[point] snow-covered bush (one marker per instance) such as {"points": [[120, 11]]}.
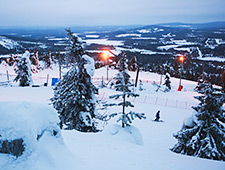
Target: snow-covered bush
{"points": [[129, 133], [74, 95], [23, 124], [24, 74], [204, 137]]}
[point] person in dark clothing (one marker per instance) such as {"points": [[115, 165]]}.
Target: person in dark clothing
{"points": [[157, 116]]}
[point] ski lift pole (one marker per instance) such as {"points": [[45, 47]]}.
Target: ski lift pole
{"points": [[60, 72], [137, 76], [107, 74], [160, 79], [7, 73], [181, 58]]}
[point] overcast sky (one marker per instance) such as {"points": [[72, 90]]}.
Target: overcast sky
{"points": [[108, 12]]}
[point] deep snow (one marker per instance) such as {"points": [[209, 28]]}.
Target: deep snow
{"points": [[114, 148]]}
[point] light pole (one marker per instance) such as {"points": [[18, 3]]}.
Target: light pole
{"points": [[181, 59], [7, 72], [106, 57]]}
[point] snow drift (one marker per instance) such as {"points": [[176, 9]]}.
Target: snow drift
{"points": [[35, 129]]}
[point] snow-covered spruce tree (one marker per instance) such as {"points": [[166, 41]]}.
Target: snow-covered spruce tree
{"points": [[205, 138], [75, 49], [223, 81], [74, 97], [23, 71], [133, 64], [34, 58], [167, 83], [48, 60], [123, 84]]}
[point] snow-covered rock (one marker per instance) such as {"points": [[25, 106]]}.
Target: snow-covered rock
{"points": [[27, 121], [36, 125]]}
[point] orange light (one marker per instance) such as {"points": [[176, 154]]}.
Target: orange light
{"points": [[181, 58], [105, 55], [7, 60]]}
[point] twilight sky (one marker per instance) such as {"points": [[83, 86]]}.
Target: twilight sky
{"points": [[108, 12]]}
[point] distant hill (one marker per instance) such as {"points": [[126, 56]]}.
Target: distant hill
{"points": [[196, 26]]}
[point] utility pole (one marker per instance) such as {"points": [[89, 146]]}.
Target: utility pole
{"points": [[136, 81], [181, 58]]}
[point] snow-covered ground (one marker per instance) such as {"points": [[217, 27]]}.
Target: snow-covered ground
{"points": [[212, 59], [114, 148], [104, 42], [128, 35], [8, 43]]}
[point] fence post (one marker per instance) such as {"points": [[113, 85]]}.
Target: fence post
{"points": [[156, 100], [166, 102], [103, 95], [145, 99]]}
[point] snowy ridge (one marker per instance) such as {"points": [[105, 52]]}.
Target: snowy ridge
{"points": [[8, 43], [104, 42], [128, 35]]}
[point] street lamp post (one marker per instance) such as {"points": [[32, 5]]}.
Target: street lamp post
{"points": [[181, 59], [106, 57]]}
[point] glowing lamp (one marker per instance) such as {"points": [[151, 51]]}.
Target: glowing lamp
{"points": [[7, 60], [181, 58], [105, 55]]}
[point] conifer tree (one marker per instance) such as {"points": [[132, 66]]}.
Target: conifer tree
{"points": [[75, 49], [123, 85], [34, 58], [167, 83], [23, 71], [74, 97], [48, 60], [206, 137], [223, 81], [133, 64]]}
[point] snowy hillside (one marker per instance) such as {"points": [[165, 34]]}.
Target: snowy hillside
{"points": [[114, 148], [8, 43]]}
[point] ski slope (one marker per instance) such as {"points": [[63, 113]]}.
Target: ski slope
{"points": [[114, 148]]}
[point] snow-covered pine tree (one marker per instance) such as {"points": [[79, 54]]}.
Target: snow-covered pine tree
{"points": [[223, 81], [23, 71], [206, 137], [167, 83], [133, 64], [74, 97], [34, 58], [75, 49], [48, 60], [123, 84]]}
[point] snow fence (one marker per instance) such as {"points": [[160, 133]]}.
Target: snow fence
{"points": [[146, 99]]}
